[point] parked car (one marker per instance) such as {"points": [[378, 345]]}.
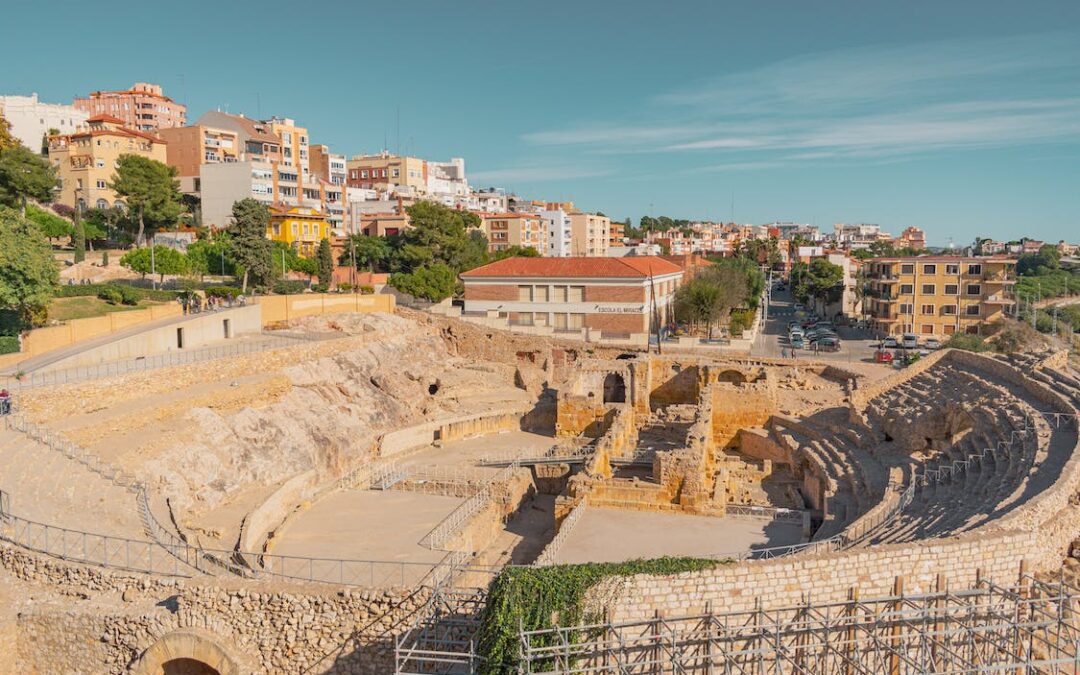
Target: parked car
{"points": [[932, 343], [890, 343], [883, 356], [797, 342], [826, 344], [909, 341]]}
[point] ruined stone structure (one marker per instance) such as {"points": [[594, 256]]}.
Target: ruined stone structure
{"points": [[226, 517]]}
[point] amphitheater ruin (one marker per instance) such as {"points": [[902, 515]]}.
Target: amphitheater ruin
{"points": [[341, 501]]}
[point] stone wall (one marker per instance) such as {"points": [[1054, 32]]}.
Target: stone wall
{"points": [[108, 620]]}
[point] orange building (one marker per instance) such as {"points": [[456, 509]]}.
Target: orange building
{"points": [[142, 107]]}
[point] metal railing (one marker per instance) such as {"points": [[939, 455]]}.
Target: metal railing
{"points": [[460, 517], [551, 551], [146, 363]]}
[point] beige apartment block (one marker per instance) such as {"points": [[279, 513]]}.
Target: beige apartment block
{"points": [[504, 230], [86, 160], [406, 176], [938, 295], [590, 234]]}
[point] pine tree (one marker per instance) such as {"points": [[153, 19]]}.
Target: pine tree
{"points": [[326, 263], [250, 249]]}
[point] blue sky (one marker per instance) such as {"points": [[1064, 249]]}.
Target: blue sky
{"points": [[959, 117]]}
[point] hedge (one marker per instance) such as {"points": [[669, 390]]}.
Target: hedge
{"points": [[223, 291], [83, 290], [9, 344], [290, 287]]}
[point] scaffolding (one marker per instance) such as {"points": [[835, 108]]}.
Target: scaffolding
{"points": [[1028, 628]]}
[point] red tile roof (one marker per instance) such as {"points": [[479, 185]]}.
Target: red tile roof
{"points": [[636, 267], [105, 118]]}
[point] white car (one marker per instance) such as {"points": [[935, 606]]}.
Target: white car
{"points": [[932, 343], [890, 343], [909, 341]]}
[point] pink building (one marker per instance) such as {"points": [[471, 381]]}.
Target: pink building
{"points": [[143, 107]]}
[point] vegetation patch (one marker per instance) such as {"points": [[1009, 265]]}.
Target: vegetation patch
{"points": [[532, 598]]}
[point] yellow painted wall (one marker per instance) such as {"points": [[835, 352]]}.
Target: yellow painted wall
{"points": [[279, 308]]}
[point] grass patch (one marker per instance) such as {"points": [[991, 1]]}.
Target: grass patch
{"points": [[85, 307], [527, 598]]}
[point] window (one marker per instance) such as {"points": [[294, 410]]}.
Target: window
{"points": [[948, 310], [973, 289], [952, 289], [524, 293], [100, 164], [929, 269], [395, 173], [974, 269], [949, 330], [363, 174], [926, 310], [928, 289], [560, 321], [576, 321], [540, 319], [907, 289], [540, 294], [295, 229], [971, 310], [907, 269], [101, 185], [277, 229], [952, 269], [559, 295], [577, 294], [927, 329]]}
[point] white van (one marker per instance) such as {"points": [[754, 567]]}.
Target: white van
{"points": [[909, 341]]}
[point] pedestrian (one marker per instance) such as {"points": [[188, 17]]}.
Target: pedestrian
{"points": [[5, 402]]}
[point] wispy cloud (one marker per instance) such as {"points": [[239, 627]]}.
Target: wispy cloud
{"points": [[534, 174], [891, 101]]}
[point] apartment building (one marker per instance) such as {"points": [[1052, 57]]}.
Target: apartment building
{"points": [[616, 234], [383, 224], [32, 121], [86, 160], [300, 227], [189, 148], [406, 176], [607, 298], [446, 182], [911, 237], [326, 165], [590, 234], [938, 295], [560, 233], [504, 230], [859, 235], [143, 107]]}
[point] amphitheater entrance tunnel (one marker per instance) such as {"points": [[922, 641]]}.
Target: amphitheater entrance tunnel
{"points": [[614, 388], [187, 667]]}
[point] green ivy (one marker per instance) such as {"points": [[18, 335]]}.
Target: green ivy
{"points": [[527, 598]]}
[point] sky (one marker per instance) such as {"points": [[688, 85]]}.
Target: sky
{"points": [[960, 117]]}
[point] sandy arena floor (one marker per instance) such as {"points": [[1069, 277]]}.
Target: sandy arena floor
{"points": [[615, 535]]}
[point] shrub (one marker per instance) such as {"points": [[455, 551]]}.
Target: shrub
{"points": [[222, 291], [130, 295], [367, 290], [111, 294], [320, 288], [967, 342], [289, 287], [9, 344], [741, 320], [345, 287], [79, 290], [104, 258]]}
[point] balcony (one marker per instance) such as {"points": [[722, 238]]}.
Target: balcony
{"points": [[998, 299], [998, 278]]}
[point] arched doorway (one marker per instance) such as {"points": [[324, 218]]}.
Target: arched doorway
{"points": [[732, 376], [187, 667], [614, 388], [187, 651]]}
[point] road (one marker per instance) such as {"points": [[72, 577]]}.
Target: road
{"points": [[855, 345]]}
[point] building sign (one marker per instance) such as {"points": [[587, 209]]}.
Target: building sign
{"points": [[640, 309]]}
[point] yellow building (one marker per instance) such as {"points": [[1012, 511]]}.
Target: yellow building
{"points": [[504, 230], [300, 227], [938, 295], [86, 160], [590, 234]]}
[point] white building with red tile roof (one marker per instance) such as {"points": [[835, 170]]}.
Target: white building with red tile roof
{"points": [[616, 299]]}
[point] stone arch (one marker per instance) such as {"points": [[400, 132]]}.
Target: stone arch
{"points": [[732, 376], [187, 651], [614, 388]]}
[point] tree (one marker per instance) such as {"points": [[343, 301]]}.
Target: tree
{"points": [[29, 276], [250, 247], [370, 253], [438, 234], [6, 139], [160, 260], [308, 266], [517, 252], [25, 175], [435, 282], [710, 296], [1046, 260], [50, 224], [325, 259], [199, 253], [823, 281], [150, 189]]}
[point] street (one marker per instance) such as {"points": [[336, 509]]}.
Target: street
{"points": [[855, 345]]}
